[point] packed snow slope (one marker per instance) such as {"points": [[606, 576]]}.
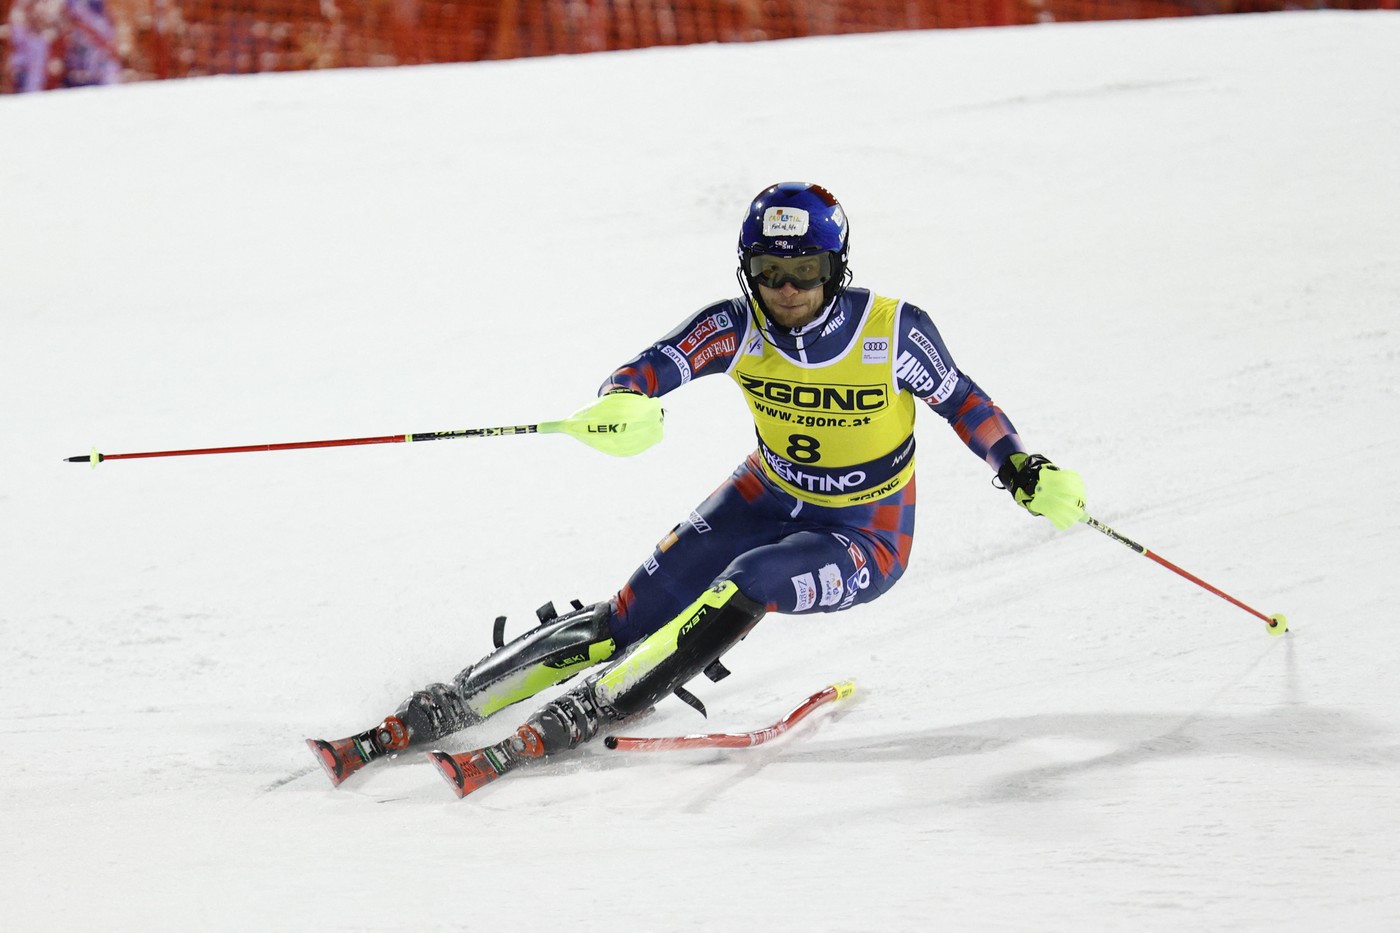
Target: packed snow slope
{"points": [[1170, 250]]}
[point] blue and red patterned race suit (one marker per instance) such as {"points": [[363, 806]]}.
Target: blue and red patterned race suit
{"points": [[821, 516]]}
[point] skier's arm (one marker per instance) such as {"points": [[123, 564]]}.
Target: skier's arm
{"points": [[703, 344], [926, 368]]}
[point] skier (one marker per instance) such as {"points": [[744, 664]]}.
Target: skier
{"points": [[819, 518]]}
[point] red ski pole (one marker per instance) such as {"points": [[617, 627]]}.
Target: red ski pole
{"points": [[95, 458], [1277, 623], [620, 425]]}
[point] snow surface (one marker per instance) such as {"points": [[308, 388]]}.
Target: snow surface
{"points": [[1171, 251]]}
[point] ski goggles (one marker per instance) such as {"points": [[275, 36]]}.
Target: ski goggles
{"points": [[803, 272]]}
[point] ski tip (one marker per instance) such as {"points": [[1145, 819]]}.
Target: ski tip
{"points": [[330, 761], [470, 771], [610, 741], [451, 772]]}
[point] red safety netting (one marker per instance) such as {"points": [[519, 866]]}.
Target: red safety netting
{"points": [[55, 43]]}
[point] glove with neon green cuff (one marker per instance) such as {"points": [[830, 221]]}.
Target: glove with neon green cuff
{"points": [[1043, 488], [621, 423]]}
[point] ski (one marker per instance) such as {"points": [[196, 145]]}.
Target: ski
{"points": [[466, 772], [469, 771], [837, 691], [343, 757]]}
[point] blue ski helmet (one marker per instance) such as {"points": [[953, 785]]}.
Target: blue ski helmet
{"points": [[790, 219]]}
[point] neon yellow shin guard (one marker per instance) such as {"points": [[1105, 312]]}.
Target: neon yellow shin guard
{"points": [[539, 659], [678, 651]]}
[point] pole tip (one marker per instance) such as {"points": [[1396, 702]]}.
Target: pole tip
{"points": [[94, 458], [1277, 624]]}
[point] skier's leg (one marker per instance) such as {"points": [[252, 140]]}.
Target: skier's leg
{"points": [[736, 517], [548, 654], [740, 515], [817, 569], [831, 558], [644, 673], [557, 649]]}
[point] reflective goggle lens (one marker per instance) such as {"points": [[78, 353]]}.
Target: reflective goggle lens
{"points": [[804, 272]]}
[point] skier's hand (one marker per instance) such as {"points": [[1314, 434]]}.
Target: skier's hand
{"points": [[1044, 489], [621, 423]]}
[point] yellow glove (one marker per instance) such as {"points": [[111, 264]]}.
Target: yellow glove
{"points": [[621, 423], [1044, 489]]}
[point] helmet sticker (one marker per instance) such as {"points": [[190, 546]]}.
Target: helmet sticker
{"points": [[785, 221]]}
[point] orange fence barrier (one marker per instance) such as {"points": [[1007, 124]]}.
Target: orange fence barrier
{"points": [[56, 43]]}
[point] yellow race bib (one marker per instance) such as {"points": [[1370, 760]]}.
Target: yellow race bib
{"points": [[834, 433]]}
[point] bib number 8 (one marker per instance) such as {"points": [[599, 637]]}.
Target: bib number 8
{"points": [[803, 448]]}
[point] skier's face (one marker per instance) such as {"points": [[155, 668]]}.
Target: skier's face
{"points": [[790, 306]]}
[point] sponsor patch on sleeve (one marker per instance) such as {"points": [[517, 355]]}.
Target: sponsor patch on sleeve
{"points": [[679, 359], [703, 331], [724, 346], [925, 344], [946, 387], [911, 372]]}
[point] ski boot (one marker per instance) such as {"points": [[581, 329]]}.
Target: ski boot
{"points": [[551, 653], [560, 725], [658, 665]]}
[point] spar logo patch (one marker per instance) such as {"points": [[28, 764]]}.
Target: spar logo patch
{"points": [[703, 331]]}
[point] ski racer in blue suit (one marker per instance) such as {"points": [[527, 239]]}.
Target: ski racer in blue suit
{"points": [[783, 519], [820, 517]]}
